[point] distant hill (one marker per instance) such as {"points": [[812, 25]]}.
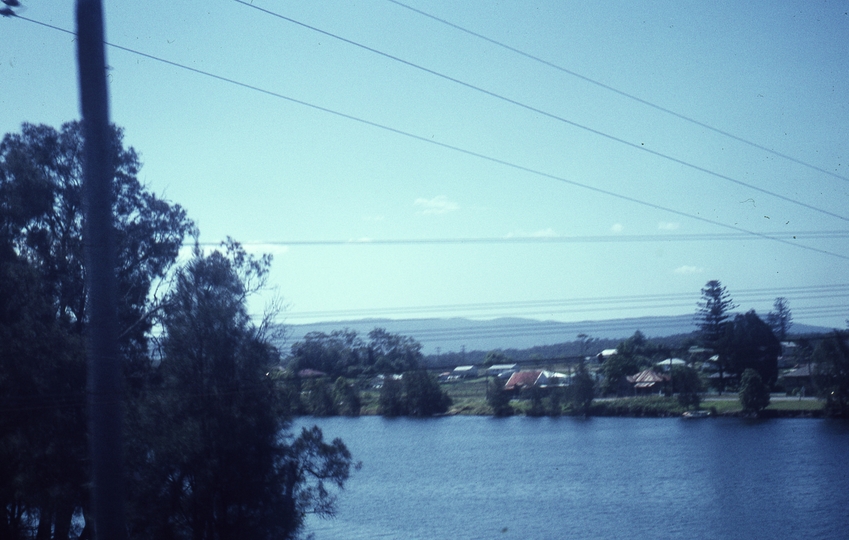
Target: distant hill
{"points": [[455, 334]]}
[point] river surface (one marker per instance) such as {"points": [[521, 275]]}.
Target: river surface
{"points": [[547, 478]]}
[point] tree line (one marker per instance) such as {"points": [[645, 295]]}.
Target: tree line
{"points": [[208, 450], [326, 375]]}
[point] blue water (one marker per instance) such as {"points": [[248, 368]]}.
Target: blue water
{"points": [[545, 478]]}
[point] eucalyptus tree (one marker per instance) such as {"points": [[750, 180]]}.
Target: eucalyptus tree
{"points": [[215, 458], [42, 252]]}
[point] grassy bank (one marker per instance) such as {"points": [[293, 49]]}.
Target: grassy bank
{"points": [[469, 398]]}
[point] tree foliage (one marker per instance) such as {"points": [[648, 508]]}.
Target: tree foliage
{"points": [[212, 458], [687, 384], [582, 389], [499, 399], [831, 357], [208, 452], [754, 393], [342, 353], [750, 344], [423, 396], [42, 257], [713, 312], [780, 318]]}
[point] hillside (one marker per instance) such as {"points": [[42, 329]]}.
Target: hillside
{"points": [[444, 336]]}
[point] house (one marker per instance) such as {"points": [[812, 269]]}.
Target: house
{"points": [[464, 372], [526, 379], [648, 381], [798, 379], [502, 370], [377, 382], [605, 354]]}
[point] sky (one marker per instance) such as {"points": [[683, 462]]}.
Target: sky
{"points": [[555, 160]]}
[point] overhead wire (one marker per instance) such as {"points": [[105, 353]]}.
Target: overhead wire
{"points": [[451, 147], [587, 304], [547, 114], [618, 91], [554, 239]]}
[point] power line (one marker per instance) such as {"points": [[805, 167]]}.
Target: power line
{"points": [[546, 113], [619, 92], [696, 237], [458, 149], [655, 301]]}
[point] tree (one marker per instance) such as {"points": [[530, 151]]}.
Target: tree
{"points": [[750, 344], [347, 397], [688, 385], [582, 389], [213, 457], [831, 358], [714, 310], [393, 353], [498, 398], [496, 357], [339, 354], [754, 393], [390, 401], [780, 319], [319, 399], [423, 396], [41, 236]]}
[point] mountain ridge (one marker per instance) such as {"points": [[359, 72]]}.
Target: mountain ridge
{"points": [[445, 335]]}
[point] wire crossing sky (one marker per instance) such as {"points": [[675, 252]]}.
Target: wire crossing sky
{"points": [[668, 121]]}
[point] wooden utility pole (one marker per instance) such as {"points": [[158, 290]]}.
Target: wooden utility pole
{"points": [[105, 395]]}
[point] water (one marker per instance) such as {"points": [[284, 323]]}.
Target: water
{"points": [[544, 478]]}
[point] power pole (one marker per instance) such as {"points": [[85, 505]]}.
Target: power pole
{"points": [[105, 395]]}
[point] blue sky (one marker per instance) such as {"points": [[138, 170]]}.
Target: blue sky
{"points": [[548, 157]]}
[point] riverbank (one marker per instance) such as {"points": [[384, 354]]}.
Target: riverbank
{"points": [[470, 400]]}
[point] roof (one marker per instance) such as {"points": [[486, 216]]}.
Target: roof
{"points": [[646, 378], [522, 378], [496, 367], [464, 368], [310, 373], [804, 371]]}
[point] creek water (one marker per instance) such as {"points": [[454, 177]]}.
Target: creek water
{"points": [[546, 478]]}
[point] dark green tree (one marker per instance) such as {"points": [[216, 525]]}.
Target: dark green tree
{"points": [[754, 393], [319, 399], [423, 395], [496, 357], [687, 384], [339, 354], [780, 319], [347, 397], [498, 398], [614, 370], [582, 389], [714, 310], [393, 353], [750, 344], [390, 401], [212, 457], [831, 360], [41, 232]]}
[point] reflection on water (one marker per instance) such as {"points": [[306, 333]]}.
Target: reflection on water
{"points": [[542, 478]]}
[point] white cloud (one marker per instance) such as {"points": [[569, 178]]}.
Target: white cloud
{"points": [[617, 228], [437, 205], [668, 225], [687, 270], [545, 233]]}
